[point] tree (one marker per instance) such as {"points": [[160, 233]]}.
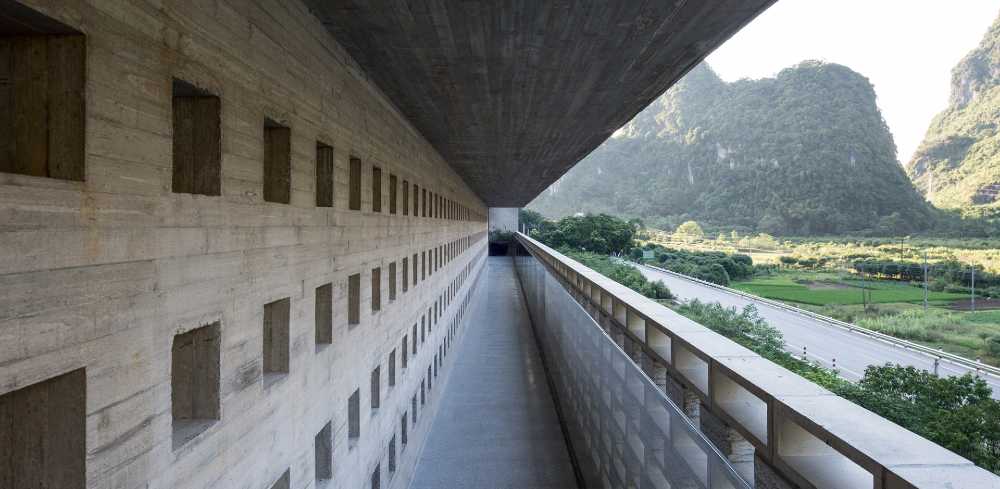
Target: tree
{"points": [[993, 346], [635, 254], [764, 242], [690, 231], [771, 224], [600, 233], [893, 225], [531, 220]]}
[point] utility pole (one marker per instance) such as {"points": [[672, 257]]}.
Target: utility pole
{"points": [[925, 281], [973, 288], [864, 290]]}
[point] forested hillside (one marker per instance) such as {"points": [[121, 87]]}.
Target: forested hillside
{"points": [[805, 152], [958, 163]]}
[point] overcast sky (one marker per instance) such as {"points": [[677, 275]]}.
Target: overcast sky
{"points": [[906, 48]]}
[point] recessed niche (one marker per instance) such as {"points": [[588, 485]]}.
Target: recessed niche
{"points": [[194, 382], [276, 337], [277, 162], [42, 95], [43, 434]]}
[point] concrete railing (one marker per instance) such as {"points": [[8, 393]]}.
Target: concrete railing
{"points": [[802, 434], [975, 367]]}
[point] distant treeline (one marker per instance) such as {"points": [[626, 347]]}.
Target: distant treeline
{"points": [[712, 266], [605, 235]]}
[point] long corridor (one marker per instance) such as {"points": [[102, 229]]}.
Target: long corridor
{"points": [[497, 425]]}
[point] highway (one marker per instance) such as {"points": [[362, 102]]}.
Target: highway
{"points": [[823, 342]]}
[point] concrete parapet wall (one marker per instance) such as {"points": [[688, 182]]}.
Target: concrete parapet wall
{"points": [[797, 433]]}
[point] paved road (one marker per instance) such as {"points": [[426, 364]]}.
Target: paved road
{"points": [[823, 342]]}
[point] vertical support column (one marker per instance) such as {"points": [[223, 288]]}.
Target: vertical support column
{"points": [[656, 371], [620, 311], [692, 406], [730, 442], [765, 477], [636, 325]]}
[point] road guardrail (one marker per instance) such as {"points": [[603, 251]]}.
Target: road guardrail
{"points": [[938, 355]]}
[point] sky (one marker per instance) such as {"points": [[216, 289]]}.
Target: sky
{"points": [[906, 48]]}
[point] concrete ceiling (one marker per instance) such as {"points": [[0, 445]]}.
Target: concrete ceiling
{"points": [[513, 93]]}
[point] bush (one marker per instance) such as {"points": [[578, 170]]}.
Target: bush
{"points": [[745, 324], [957, 413], [501, 236], [635, 254], [993, 346], [713, 272], [937, 285], [956, 289], [624, 274], [711, 266]]}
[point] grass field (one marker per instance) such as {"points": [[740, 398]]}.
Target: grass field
{"points": [[896, 309], [820, 289]]}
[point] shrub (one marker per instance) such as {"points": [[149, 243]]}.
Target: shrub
{"points": [[624, 274], [957, 413], [993, 346]]}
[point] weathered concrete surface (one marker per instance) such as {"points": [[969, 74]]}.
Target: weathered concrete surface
{"points": [[513, 94], [503, 218], [497, 424], [102, 274]]}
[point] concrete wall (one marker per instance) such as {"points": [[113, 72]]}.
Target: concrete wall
{"points": [[504, 218], [102, 274]]}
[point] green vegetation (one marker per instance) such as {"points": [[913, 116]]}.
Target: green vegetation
{"points": [[690, 230], [949, 258], [955, 412], [858, 281], [822, 289], [971, 334], [530, 220], [956, 165], [601, 233], [501, 236], [804, 152], [590, 240], [950, 276], [624, 274], [716, 267]]}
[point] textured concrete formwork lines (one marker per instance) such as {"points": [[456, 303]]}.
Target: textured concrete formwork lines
{"points": [[513, 94], [497, 425]]}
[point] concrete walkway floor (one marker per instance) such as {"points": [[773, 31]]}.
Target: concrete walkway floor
{"points": [[497, 425]]}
